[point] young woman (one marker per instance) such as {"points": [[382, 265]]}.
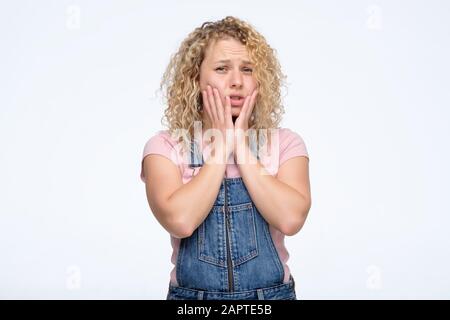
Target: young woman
{"points": [[224, 180]]}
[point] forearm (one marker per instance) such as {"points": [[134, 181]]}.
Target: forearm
{"points": [[191, 203], [282, 206]]}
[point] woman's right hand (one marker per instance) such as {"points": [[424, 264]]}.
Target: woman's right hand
{"points": [[220, 119]]}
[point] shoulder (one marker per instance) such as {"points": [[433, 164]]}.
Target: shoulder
{"points": [[161, 137], [287, 136], [162, 143], [291, 145], [287, 133]]}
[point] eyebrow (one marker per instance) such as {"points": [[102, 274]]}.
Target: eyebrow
{"points": [[228, 60]]}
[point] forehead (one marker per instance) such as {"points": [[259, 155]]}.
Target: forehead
{"points": [[225, 49]]}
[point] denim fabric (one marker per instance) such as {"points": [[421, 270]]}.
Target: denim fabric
{"points": [[284, 291], [231, 255]]}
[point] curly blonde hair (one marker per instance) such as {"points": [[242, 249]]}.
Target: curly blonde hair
{"points": [[181, 79]]}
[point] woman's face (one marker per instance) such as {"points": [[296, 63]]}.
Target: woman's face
{"points": [[226, 66]]}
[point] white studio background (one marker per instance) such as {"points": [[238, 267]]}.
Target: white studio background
{"points": [[368, 92]]}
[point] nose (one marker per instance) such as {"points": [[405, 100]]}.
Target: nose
{"points": [[236, 79]]}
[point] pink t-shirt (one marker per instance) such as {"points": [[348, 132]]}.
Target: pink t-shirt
{"points": [[290, 145]]}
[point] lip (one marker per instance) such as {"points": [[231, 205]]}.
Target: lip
{"points": [[237, 103]]}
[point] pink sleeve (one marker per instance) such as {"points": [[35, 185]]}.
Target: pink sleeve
{"points": [[291, 145], [158, 144]]}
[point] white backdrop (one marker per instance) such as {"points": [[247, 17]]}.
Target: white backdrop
{"points": [[368, 92]]}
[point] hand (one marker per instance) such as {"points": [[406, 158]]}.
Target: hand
{"points": [[241, 123], [221, 120]]}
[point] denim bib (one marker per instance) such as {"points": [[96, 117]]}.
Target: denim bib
{"points": [[231, 255]]}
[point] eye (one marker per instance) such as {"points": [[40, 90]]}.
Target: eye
{"points": [[220, 68], [223, 68]]}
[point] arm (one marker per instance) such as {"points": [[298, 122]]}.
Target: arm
{"points": [[285, 200], [181, 208]]}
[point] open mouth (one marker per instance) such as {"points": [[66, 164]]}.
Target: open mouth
{"points": [[236, 100]]}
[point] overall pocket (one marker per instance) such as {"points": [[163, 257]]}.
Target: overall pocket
{"points": [[212, 239]]}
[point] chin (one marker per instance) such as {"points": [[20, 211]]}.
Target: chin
{"points": [[235, 112]]}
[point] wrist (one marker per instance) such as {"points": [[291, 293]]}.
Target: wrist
{"points": [[217, 156], [241, 151]]}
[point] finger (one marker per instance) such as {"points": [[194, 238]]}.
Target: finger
{"points": [[218, 104], [212, 104], [228, 117], [243, 113], [252, 103], [206, 104]]}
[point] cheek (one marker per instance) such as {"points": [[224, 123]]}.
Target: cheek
{"points": [[213, 83], [219, 86], [203, 83], [252, 84], [206, 79]]}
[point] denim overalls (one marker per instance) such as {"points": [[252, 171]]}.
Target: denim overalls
{"points": [[231, 255]]}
